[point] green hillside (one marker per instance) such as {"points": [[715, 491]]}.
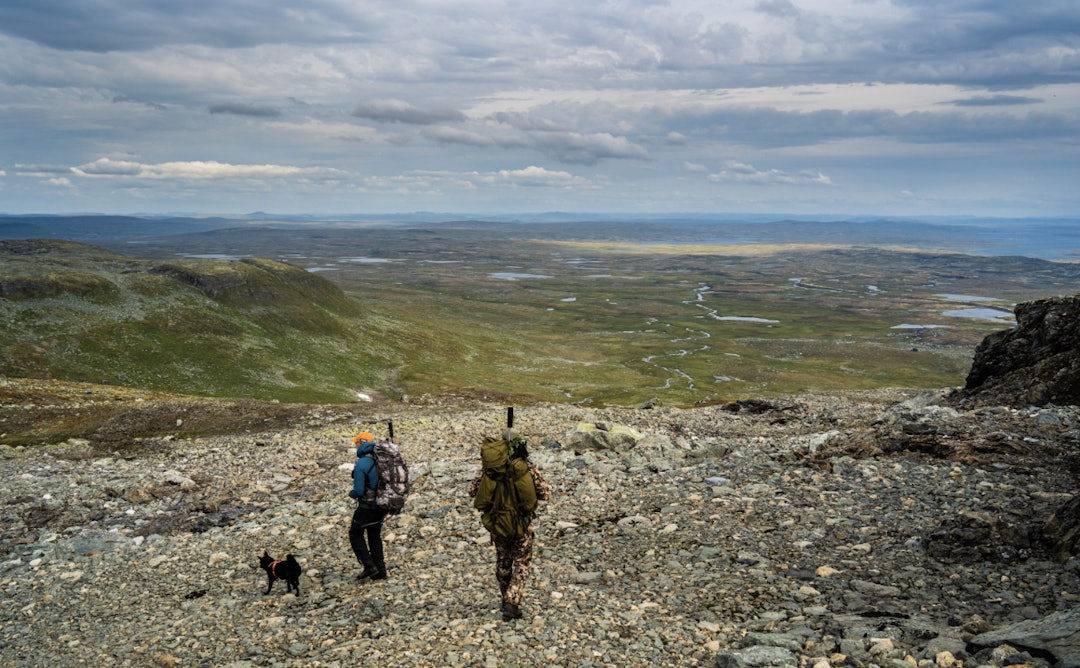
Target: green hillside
{"points": [[253, 327]]}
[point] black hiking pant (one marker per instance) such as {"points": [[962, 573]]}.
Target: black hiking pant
{"points": [[365, 536]]}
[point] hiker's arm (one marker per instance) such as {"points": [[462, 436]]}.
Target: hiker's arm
{"points": [[543, 490], [360, 477], [474, 486]]}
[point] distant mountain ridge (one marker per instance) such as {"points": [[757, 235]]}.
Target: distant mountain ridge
{"points": [[89, 228], [1046, 238]]}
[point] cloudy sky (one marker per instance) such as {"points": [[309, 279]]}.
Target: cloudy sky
{"points": [[890, 107]]}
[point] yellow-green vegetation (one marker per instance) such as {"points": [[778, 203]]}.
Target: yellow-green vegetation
{"points": [[255, 328], [505, 311]]}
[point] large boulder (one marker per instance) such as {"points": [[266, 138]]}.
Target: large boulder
{"points": [[602, 436], [1058, 634], [1034, 364]]}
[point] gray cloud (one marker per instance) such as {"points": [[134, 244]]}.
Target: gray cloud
{"points": [[586, 149], [398, 111], [446, 135], [522, 131], [124, 99], [771, 128], [240, 109], [985, 42], [622, 104], [103, 25], [778, 8], [41, 170], [995, 101]]}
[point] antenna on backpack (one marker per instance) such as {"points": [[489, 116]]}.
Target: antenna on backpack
{"points": [[509, 417], [390, 426]]}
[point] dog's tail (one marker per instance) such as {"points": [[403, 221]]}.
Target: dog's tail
{"points": [[291, 559]]}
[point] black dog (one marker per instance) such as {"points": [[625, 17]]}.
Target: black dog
{"points": [[287, 570]]}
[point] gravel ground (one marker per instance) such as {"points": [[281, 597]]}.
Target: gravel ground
{"points": [[849, 530]]}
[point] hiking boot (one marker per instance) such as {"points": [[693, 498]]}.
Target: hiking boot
{"points": [[380, 574], [369, 572], [511, 611]]}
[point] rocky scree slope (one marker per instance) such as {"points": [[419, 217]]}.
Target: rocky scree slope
{"points": [[873, 529]]}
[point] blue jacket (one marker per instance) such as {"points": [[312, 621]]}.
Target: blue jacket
{"points": [[365, 475]]}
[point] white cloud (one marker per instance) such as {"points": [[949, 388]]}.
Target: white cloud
{"points": [[740, 172], [532, 176], [197, 170], [434, 181]]}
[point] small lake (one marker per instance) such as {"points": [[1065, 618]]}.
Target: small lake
{"points": [[967, 298], [980, 314], [911, 326], [212, 256], [743, 318], [513, 276]]}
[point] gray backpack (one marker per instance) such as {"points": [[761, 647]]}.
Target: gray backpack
{"points": [[393, 475]]}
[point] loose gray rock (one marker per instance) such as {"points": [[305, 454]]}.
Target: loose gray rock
{"points": [[758, 656], [1058, 634], [714, 531]]}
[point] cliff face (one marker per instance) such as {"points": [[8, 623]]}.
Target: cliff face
{"points": [[1034, 364]]}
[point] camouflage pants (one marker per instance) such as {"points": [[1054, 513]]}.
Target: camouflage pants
{"points": [[513, 563]]}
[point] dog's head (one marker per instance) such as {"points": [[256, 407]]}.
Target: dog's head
{"points": [[265, 560]]}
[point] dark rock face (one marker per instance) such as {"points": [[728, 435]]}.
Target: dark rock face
{"points": [[1036, 363], [1062, 531], [1058, 634]]}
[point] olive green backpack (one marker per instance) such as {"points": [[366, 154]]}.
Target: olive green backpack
{"points": [[506, 495]]}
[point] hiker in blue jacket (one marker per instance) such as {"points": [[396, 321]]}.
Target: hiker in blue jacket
{"points": [[365, 532]]}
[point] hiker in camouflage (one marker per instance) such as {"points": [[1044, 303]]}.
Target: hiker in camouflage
{"points": [[513, 557]]}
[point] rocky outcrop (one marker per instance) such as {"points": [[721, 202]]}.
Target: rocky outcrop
{"points": [[1057, 635], [1036, 363]]}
